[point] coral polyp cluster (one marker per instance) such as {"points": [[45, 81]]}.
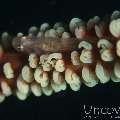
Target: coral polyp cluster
{"points": [[49, 59]]}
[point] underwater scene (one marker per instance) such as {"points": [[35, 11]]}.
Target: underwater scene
{"points": [[59, 59]]}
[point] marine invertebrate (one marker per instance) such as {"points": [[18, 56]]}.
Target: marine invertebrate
{"points": [[50, 59]]}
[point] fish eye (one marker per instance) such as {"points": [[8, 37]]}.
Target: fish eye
{"points": [[16, 43]]}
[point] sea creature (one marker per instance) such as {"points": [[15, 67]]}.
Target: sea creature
{"points": [[50, 59], [44, 44]]}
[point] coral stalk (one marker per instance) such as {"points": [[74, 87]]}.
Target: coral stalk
{"points": [[50, 59]]}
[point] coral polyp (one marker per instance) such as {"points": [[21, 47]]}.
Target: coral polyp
{"points": [[49, 59]]}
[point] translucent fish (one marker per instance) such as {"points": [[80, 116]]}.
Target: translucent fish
{"points": [[43, 44]]}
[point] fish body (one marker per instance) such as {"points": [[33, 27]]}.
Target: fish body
{"points": [[44, 44]]}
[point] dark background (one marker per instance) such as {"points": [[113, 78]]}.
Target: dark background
{"points": [[16, 16]]}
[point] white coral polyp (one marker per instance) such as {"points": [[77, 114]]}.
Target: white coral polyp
{"points": [[115, 28]]}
